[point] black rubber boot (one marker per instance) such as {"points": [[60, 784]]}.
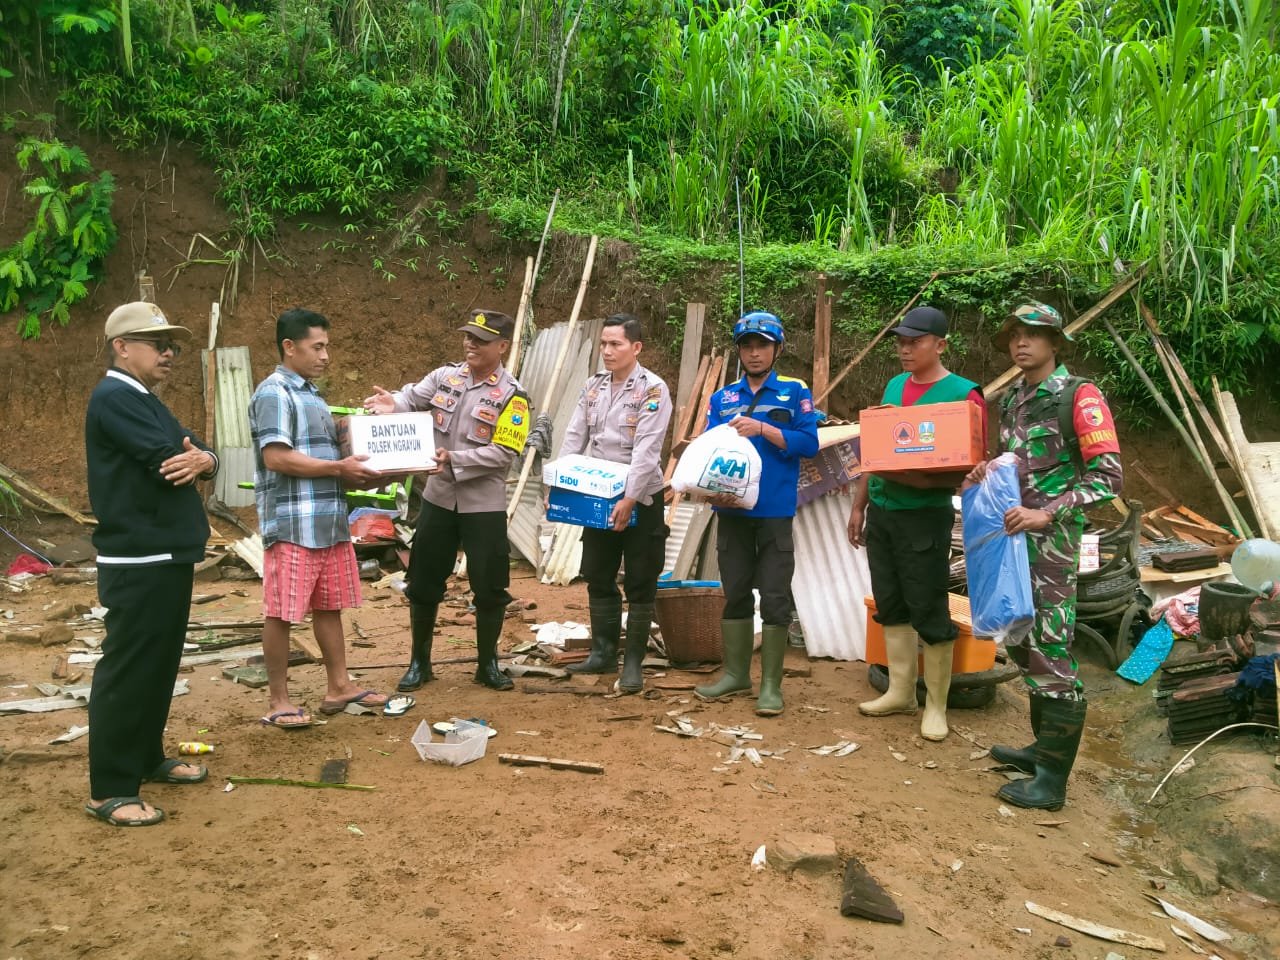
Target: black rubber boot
{"points": [[639, 617], [606, 628], [1061, 725], [488, 629], [422, 625], [1024, 759]]}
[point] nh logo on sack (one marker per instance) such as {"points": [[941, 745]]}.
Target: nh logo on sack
{"points": [[728, 467]]}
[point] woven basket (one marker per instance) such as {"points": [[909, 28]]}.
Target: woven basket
{"points": [[689, 618]]}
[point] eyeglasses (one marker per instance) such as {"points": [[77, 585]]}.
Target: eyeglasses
{"points": [[160, 345]]}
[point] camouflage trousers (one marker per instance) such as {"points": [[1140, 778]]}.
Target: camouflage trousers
{"points": [[1044, 655]]}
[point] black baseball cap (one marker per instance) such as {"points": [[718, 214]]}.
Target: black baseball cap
{"points": [[920, 321], [489, 325]]}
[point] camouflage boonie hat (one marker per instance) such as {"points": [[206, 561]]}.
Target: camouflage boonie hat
{"points": [[1033, 314]]}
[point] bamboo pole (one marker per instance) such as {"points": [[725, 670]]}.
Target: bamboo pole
{"points": [[517, 338], [1171, 358], [1232, 510], [553, 383]]}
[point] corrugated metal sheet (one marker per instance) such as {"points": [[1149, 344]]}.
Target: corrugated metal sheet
{"points": [[564, 559], [526, 522], [831, 580], [234, 440], [679, 526]]}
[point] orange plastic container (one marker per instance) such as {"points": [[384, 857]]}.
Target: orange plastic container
{"points": [[935, 436], [970, 655]]}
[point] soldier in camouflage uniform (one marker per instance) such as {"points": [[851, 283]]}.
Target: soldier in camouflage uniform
{"points": [[1063, 434]]}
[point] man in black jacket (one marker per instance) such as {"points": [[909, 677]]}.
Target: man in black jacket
{"points": [[151, 532]]}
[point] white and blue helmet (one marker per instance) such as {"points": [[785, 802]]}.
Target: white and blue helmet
{"points": [[762, 324]]}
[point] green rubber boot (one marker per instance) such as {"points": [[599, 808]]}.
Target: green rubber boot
{"points": [[1061, 726], [739, 637], [1024, 759], [606, 628], [773, 644], [639, 617]]}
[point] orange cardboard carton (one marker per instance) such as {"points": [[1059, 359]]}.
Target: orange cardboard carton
{"points": [[934, 436], [969, 655]]}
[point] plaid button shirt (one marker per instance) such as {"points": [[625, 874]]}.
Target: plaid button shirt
{"points": [[308, 511]]}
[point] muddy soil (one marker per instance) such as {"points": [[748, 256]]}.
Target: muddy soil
{"points": [[650, 859]]}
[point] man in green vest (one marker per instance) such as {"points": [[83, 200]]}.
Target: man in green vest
{"points": [[905, 519]]}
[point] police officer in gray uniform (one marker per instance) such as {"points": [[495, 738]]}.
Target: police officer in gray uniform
{"points": [[481, 422], [622, 416]]}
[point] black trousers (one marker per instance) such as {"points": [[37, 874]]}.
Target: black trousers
{"points": [[643, 547], [483, 538], [756, 553], [909, 555], [147, 611]]}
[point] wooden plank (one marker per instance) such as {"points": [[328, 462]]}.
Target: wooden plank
{"points": [[1101, 931], [211, 378], [691, 371], [1197, 519], [1239, 448], [1215, 538], [522, 311], [1002, 383], [821, 340], [554, 763], [688, 413], [691, 546]]}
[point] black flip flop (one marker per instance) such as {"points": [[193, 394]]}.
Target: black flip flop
{"points": [[164, 773], [108, 807]]}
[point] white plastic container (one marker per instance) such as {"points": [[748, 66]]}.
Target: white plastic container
{"points": [[1256, 563], [465, 743]]}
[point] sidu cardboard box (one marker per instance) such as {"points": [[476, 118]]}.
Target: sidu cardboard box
{"points": [[582, 509], [591, 475], [933, 437], [395, 442]]}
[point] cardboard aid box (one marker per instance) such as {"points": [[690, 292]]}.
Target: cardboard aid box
{"points": [[935, 436], [584, 490], [394, 442], [970, 654]]}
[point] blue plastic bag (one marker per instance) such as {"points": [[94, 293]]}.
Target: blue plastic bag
{"points": [[996, 564]]}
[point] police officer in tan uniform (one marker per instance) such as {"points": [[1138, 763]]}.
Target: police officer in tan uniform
{"points": [[481, 422], [622, 416]]}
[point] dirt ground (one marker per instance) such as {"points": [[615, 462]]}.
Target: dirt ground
{"points": [[650, 859]]}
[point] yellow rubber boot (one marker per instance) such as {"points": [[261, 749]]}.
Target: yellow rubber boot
{"points": [[937, 684], [900, 648]]}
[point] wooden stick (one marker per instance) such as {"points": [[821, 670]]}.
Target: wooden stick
{"points": [[819, 397], [1232, 510], [314, 784], [546, 229], [821, 340], [554, 383], [517, 338], [29, 489], [565, 688], [1002, 383], [435, 663], [524, 760]]}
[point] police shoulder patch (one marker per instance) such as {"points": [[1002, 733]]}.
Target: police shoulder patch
{"points": [[512, 428]]}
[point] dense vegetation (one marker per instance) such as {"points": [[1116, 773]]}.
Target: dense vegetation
{"points": [[1052, 143]]}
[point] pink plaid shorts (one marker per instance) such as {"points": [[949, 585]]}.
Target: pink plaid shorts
{"points": [[297, 580]]}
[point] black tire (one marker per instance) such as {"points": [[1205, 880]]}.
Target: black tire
{"points": [[961, 697]]}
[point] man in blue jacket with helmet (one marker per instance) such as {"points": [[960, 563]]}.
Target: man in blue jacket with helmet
{"points": [[755, 547]]}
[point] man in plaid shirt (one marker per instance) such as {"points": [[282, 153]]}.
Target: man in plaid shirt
{"points": [[309, 564]]}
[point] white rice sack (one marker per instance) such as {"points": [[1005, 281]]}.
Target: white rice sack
{"points": [[718, 462]]}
